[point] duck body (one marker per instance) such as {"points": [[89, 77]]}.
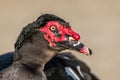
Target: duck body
{"points": [[63, 66]]}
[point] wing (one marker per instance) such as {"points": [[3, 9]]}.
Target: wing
{"points": [[6, 60]]}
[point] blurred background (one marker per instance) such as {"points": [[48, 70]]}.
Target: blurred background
{"points": [[97, 21]]}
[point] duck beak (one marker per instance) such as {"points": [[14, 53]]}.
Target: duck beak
{"points": [[78, 46]]}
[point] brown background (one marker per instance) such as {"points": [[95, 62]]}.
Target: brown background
{"points": [[98, 22]]}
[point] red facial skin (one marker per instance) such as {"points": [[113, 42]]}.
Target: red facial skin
{"points": [[58, 34], [51, 37]]}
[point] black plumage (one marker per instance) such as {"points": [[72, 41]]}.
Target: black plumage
{"points": [[55, 68], [6, 60], [33, 51], [66, 66]]}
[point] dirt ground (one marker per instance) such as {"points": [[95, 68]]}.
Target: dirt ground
{"points": [[98, 22]]}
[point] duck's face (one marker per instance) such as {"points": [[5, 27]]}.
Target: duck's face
{"points": [[63, 37]]}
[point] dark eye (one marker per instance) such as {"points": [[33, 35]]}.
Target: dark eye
{"points": [[53, 28]]}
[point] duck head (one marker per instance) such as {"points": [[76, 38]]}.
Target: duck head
{"points": [[56, 32]]}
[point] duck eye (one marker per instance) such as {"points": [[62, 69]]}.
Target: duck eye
{"points": [[53, 28]]}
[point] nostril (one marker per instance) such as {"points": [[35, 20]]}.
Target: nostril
{"points": [[66, 35]]}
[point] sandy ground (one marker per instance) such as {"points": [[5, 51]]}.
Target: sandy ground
{"points": [[98, 22]]}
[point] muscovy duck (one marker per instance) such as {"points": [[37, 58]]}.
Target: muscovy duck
{"points": [[63, 66], [37, 44]]}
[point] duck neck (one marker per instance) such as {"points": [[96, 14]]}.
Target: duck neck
{"points": [[35, 52]]}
